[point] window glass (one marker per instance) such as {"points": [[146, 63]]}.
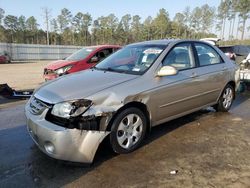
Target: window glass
{"points": [[80, 54], [180, 57], [242, 50], [226, 49], [116, 49], [135, 59], [102, 54], [207, 55]]}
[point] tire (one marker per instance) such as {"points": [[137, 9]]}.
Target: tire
{"points": [[128, 130], [226, 99]]}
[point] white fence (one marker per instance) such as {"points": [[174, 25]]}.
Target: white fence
{"points": [[37, 52]]}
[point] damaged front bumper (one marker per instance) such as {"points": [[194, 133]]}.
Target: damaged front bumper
{"points": [[62, 143], [50, 76]]}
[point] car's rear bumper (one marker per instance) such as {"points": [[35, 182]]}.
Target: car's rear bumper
{"points": [[62, 143]]}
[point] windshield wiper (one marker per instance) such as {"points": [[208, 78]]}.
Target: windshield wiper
{"points": [[93, 68], [110, 69], [96, 68], [105, 69], [117, 70]]}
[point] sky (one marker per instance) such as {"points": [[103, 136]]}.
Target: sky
{"points": [[99, 8]]}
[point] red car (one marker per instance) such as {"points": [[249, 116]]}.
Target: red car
{"points": [[4, 57], [83, 59]]}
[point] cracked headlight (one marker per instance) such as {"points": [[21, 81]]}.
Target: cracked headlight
{"points": [[63, 70], [71, 108]]}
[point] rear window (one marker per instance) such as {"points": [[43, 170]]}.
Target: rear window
{"points": [[226, 49]]}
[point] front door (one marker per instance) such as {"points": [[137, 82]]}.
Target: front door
{"points": [[177, 94]]}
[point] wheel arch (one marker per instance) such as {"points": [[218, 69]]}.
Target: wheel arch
{"points": [[135, 104], [231, 83]]}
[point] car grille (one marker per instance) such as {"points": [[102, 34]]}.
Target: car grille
{"points": [[48, 71], [37, 106]]}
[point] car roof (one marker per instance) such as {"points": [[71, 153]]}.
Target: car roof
{"points": [[104, 46], [152, 42], [227, 46], [234, 45], [164, 42]]}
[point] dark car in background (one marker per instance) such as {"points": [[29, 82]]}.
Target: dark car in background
{"points": [[236, 52], [82, 59], [4, 57]]}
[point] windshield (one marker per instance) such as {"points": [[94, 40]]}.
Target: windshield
{"points": [[132, 59], [80, 54]]}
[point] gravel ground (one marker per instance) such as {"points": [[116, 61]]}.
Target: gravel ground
{"points": [[22, 75], [205, 149]]}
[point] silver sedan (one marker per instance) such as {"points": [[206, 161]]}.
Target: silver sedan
{"points": [[138, 87]]}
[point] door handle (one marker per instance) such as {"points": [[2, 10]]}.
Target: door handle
{"points": [[193, 75], [224, 68]]}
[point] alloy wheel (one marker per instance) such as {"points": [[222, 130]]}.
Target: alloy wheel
{"points": [[129, 131], [227, 98]]}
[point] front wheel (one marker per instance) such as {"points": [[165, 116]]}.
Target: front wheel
{"points": [[226, 99], [128, 130]]}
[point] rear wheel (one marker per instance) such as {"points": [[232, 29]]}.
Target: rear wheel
{"points": [[128, 130], [226, 99]]}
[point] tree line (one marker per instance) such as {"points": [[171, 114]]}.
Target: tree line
{"points": [[229, 11], [82, 29]]}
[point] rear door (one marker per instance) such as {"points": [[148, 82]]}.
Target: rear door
{"points": [[211, 72]]}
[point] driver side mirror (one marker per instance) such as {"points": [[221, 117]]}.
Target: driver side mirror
{"points": [[167, 71], [94, 59]]}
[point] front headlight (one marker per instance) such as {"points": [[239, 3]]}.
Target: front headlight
{"points": [[63, 69], [71, 108]]}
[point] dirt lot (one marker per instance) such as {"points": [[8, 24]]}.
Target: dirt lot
{"points": [[22, 75], [208, 149]]}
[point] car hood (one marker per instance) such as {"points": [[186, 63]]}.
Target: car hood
{"points": [[59, 63], [80, 85]]}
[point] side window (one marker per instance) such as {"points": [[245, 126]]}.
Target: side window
{"points": [[105, 53], [207, 55], [181, 57], [99, 56]]}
